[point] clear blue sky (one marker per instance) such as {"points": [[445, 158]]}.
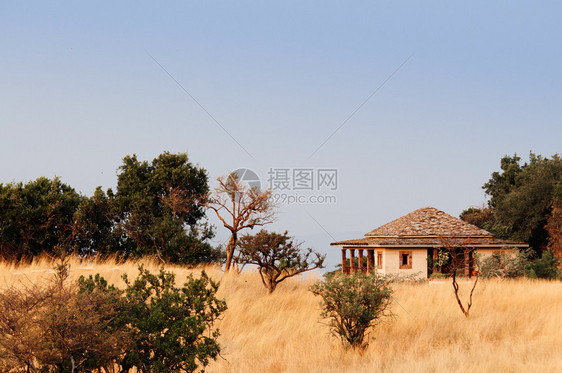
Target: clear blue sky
{"points": [[79, 91]]}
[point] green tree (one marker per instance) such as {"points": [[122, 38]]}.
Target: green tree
{"points": [[523, 213], [545, 267], [521, 197], [277, 256], [502, 183], [95, 226], [37, 217], [353, 304], [159, 208]]}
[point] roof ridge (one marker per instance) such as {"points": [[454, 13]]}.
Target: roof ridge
{"points": [[428, 221]]}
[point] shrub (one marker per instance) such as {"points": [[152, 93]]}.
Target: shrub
{"points": [[151, 325], [56, 328], [353, 304], [546, 267], [508, 264], [168, 323]]}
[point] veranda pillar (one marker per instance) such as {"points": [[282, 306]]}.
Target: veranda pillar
{"points": [[361, 260], [352, 261], [370, 260], [436, 268]]}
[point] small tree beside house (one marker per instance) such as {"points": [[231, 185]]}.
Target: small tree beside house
{"points": [[460, 258]]}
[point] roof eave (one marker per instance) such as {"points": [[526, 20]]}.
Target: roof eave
{"points": [[360, 245]]}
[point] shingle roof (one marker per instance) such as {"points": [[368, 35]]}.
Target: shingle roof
{"points": [[426, 227], [425, 242], [428, 221]]}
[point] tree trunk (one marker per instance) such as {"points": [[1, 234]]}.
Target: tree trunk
{"points": [[456, 288], [230, 250]]}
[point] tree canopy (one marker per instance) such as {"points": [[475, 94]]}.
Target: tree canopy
{"points": [[277, 256], [157, 209], [36, 217], [521, 199]]}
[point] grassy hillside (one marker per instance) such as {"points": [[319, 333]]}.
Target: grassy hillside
{"points": [[514, 325]]}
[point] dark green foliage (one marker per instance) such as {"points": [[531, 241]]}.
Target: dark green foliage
{"points": [[159, 208], [36, 217], [502, 183], [277, 256], [521, 197], [523, 213], [96, 233], [171, 326], [546, 267], [353, 304]]}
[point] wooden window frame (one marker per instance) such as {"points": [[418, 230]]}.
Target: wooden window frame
{"points": [[400, 255], [379, 262]]}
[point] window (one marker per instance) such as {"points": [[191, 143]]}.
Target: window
{"points": [[379, 259], [405, 258]]}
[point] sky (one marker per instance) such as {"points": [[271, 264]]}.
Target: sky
{"points": [[412, 103]]}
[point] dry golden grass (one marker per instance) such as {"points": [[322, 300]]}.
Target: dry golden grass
{"points": [[514, 325]]}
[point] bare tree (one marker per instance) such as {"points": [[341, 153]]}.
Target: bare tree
{"points": [[460, 258], [239, 206]]}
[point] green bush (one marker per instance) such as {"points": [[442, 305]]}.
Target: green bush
{"points": [[171, 327], [546, 267], [353, 304], [150, 326], [510, 264]]}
